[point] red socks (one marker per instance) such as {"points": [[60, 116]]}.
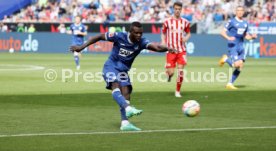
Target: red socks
{"points": [[179, 80]]}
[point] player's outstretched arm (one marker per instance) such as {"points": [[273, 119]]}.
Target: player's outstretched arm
{"points": [[161, 48], [82, 33], [92, 40]]}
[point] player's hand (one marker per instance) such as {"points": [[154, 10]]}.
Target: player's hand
{"points": [[75, 48], [231, 38], [184, 39], [254, 36], [78, 33], [171, 50]]}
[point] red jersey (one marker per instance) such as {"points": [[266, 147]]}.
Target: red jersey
{"points": [[175, 29]]}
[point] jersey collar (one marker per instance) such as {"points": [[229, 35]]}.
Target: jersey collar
{"points": [[239, 20], [77, 24], [128, 39]]}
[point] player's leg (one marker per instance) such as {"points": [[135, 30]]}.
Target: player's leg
{"points": [[126, 89], [77, 59], [113, 83], [126, 93], [117, 94], [170, 65], [228, 58], [225, 59], [238, 67], [110, 75], [124, 108], [170, 73], [238, 59], [181, 62], [179, 80]]}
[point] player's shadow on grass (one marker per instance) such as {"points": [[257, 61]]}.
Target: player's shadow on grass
{"points": [[140, 98], [241, 86]]}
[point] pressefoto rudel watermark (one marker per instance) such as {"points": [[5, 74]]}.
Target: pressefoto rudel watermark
{"points": [[151, 75]]}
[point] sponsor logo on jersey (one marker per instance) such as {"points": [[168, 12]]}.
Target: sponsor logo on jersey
{"points": [[124, 53]]}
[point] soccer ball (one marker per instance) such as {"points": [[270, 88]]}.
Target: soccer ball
{"points": [[11, 50], [191, 108]]}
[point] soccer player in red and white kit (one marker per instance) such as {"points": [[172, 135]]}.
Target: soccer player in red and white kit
{"points": [[175, 32]]}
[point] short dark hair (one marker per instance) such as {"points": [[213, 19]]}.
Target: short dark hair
{"points": [[136, 24], [177, 4]]}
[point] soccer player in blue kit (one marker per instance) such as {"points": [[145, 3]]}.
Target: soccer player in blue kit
{"points": [[235, 31], [126, 46], [78, 31]]}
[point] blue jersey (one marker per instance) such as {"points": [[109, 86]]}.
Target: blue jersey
{"points": [[236, 28], [77, 39], [124, 51]]}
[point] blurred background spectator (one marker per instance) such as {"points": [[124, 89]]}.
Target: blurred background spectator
{"points": [[3, 27], [31, 29]]}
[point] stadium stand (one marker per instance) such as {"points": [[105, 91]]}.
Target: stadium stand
{"points": [[209, 14]]}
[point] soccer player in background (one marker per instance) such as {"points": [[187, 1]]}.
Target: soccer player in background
{"points": [[235, 31], [78, 30], [126, 46], [175, 32]]}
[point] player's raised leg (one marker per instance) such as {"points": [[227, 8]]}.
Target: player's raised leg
{"points": [[225, 59]]}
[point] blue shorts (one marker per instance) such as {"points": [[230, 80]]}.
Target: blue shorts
{"points": [[236, 52], [111, 74]]}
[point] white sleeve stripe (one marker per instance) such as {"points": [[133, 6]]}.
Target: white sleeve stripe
{"points": [[105, 36], [147, 45]]}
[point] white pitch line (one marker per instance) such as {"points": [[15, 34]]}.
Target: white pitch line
{"points": [[14, 67], [135, 132]]}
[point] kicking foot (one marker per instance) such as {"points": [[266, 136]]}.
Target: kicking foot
{"points": [[78, 67], [230, 86], [222, 60], [132, 111]]}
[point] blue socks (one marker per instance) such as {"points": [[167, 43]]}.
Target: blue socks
{"points": [[235, 75], [123, 113], [119, 98], [229, 61], [77, 60], [121, 101]]}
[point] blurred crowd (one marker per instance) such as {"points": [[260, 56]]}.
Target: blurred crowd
{"points": [[143, 10], [205, 12]]}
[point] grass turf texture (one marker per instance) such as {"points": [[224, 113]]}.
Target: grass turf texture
{"points": [[29, 104]]}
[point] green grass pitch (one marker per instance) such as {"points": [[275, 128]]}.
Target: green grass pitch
{"points": [[30, 105]]}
